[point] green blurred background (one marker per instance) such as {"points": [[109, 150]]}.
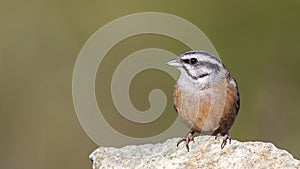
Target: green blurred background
{"points": [[259, 41]]}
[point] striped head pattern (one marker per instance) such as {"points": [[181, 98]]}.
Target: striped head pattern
{"points": [[199, 66]]}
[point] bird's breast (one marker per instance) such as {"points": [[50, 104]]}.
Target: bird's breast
{"points": [[192, 106], [203, 110]]}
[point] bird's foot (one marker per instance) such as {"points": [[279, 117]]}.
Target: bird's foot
{"points": [[224, 142], [187, 139]]}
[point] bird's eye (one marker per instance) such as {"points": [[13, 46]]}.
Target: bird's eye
{"points": [[193, 61]]}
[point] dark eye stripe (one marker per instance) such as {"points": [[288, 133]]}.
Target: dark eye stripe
{"points": [[185, 61], [209, 65], [191, 61], [201, 53]]}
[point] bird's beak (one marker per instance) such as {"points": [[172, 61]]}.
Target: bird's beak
{"points": [[175, 62]]}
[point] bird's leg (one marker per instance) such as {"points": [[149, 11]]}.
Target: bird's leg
{"points": [[187, 139], [225, 138]]}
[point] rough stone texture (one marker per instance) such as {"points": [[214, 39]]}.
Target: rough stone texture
{"points": [[205, 152]]}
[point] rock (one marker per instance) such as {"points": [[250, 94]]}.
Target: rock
{"points": [[205, 152]]}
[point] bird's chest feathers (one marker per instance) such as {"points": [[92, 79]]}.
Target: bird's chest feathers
{"points": [[192, 94], [199, 106], [189, 100]]}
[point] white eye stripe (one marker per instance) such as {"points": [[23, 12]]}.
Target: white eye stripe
{"points": [[202, 57], [210, 60]]}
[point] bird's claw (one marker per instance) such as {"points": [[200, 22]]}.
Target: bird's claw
{"points": [[224, 142], [187, 139]]}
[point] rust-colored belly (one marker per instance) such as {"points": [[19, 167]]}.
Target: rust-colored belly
{"points": [[208, 111]]}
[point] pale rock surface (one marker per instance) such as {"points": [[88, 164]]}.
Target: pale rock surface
{"points": [[205, 152]]}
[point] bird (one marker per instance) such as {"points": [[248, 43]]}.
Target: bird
{"points": [[205, 96]]}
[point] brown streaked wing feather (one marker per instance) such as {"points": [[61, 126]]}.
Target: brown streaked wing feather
{"points": [[230, 110], [177, 97]]}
